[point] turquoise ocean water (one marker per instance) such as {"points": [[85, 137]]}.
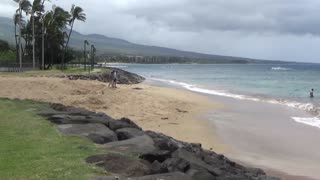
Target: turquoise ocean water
{"points": [[286, 84]]}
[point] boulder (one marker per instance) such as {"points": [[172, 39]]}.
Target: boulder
{"points": [[70, 109], [164, 142], [115, 177], [125, 77], [122, 123], [128, 133], [167, 176], [121, 165], [200, 174], [176, 164], [195, 162], [158, 168], [98, 133], [78, 119], [135, 146], [158, 155]]}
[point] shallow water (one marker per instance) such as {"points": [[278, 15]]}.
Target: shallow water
{"points": [[264, 135], [285, 84]]}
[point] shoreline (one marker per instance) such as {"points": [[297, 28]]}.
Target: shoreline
{"points": [[265, 136], [272, 164], [165, 109]]}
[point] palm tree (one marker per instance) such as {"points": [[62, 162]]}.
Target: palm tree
{"points": [[86, 43], [56, 22], [24, 6], [76, 14], [37, 7], [17, 19]]}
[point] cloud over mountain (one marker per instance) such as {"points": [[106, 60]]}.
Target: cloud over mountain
{"points": [[266, 29]]}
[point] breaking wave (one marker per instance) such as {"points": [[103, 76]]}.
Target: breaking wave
{"points": [[314, 121], [280, 69], [294, 104]]}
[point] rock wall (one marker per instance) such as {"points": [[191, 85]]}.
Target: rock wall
{"points": [[132, 153], [124, 77]]}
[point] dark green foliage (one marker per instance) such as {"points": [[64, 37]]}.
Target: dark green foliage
{"points": [[6, 53], [8, 56], [54, 24], [168, 60], [4, 46]]}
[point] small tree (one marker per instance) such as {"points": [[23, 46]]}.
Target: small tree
{"points": [[4, 46]]}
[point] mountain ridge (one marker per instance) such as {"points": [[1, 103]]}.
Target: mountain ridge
{"points": [[114, 46]]}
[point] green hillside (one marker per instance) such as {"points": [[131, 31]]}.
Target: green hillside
{"points": [[7, 30], [107, 45], [113, 46]]}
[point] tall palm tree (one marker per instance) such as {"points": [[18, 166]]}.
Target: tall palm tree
{"points": [[24, 6], [56, 22], [76, 14], [86, 43], [17, 19], [37, 7]]}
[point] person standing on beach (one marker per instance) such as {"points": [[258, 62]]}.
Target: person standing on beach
{"points": [[311, 93], [114, 81], [111, 79]]}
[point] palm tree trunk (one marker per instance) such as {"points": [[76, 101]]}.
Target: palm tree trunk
{"points": [[70, 34], [15, 36], [20, 45], [66, 46]]}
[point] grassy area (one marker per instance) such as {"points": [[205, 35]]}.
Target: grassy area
{"points": [[7, 56], [57, 72], [32, 148]]}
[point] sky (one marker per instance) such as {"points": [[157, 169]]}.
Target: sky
{"points": [[263, 29]]}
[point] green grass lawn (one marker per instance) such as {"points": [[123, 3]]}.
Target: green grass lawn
{"points": [[56, 72], [32, 148]]}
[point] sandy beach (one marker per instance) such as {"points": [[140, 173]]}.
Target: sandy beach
{"points": [[220, 124], [174, 112]]}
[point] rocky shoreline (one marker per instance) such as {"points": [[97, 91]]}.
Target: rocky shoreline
{"points": [[124, 77], [131, 153]]}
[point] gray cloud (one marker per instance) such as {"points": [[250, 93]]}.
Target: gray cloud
{"points": [[285, 16], [266, 29]]}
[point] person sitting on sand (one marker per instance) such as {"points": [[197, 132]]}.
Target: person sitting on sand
{"points": [[311, 93]]}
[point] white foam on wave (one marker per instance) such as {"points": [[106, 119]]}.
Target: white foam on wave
{"points": [[201, 90], [280, 69], [303, 106], [116, 66], [315, 121]]}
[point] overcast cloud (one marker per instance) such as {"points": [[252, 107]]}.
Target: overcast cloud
{"points": [[265, 29]]}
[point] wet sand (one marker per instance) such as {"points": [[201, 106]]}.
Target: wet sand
{"points": [[265, 135]]}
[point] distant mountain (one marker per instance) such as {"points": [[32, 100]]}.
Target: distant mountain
{"points": [[7, 30], [114, 46], [107, 45]]}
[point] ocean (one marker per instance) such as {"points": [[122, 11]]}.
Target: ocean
{"points": [[285, 84]]}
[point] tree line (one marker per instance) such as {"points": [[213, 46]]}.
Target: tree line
{"points": [[166, 60], [42, 37], [7, 52]]}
